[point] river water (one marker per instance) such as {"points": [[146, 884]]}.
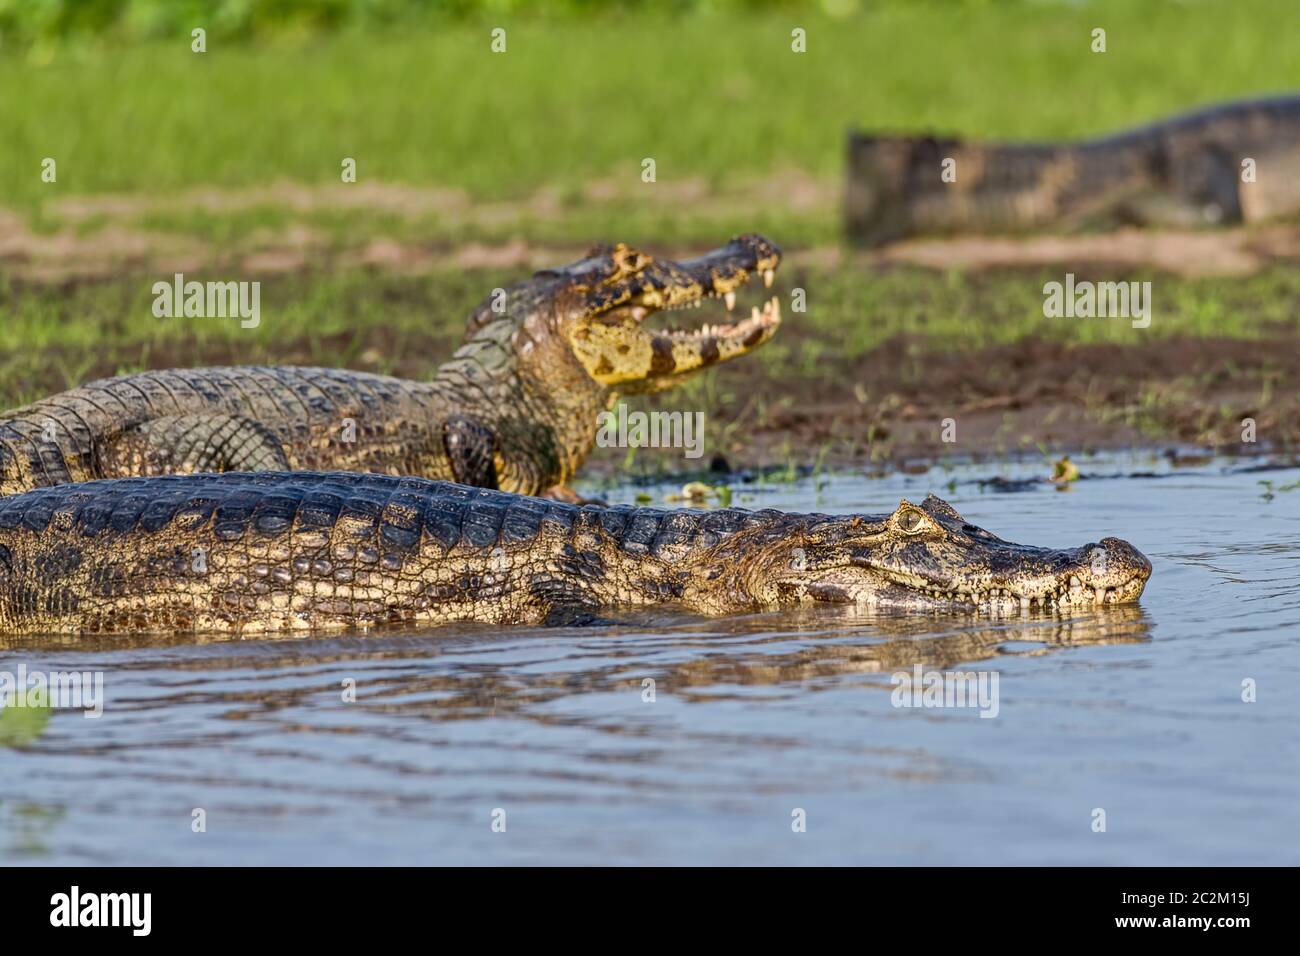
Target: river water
{"points": [[1117, 736]]}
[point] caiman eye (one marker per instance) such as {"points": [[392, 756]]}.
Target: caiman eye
{"points": [[910, 522], [630, 260]]}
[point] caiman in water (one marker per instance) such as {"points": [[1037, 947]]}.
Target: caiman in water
{"points": [[267, 552], [1237, 162], [515, 408]]}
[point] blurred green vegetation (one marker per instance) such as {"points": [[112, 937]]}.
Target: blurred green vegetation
{"points": [[63, 21], [577, 98]]}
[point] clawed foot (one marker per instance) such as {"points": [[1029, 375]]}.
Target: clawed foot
{"points": [[569, 496]]}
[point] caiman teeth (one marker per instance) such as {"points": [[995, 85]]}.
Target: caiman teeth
{"points": [[768, 316], [1070, 593], [769, 276], [730, 299]]}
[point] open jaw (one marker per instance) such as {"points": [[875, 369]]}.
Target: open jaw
{"points": [[677, 351], [619, 349]]}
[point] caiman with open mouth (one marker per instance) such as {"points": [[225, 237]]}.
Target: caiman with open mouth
{"points": [[514, 408], [273, 552]]}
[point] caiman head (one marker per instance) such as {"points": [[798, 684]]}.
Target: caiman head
{"points": [[925, 557], [596, 310]]}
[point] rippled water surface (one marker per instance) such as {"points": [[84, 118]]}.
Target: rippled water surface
{"points": [[1134, 711]]}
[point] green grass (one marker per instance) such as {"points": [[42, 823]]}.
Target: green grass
{"points": [[724, 100], [55, 336]]}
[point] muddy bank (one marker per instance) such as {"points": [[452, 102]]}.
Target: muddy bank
{"points": [[889, 407], [894, 406], [424, 229]]}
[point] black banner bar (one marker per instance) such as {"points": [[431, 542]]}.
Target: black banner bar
{"points": [[219, 905]]}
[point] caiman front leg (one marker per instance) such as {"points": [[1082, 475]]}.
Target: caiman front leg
{"points": [[569, 496], [471, 449], [184, 444], [563, 493]]}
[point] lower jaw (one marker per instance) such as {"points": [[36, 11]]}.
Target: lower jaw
{"points": [[1000, 601]]}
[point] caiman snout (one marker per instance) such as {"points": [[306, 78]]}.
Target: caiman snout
{"points": [[1002, 574], [1113, 572], [928, 556]]}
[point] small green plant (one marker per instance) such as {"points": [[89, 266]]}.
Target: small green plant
{"points": [[21, 722], [1064, 471], [1271, 490]]}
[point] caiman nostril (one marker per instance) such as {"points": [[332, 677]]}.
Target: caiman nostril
{"points": [[1121, 554]]}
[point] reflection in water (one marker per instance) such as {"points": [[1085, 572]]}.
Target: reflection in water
{"points": [[25, 826], [906, 642], [799, 647]]}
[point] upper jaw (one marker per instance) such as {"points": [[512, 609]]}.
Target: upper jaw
{"points": [[658, 285], [616, 282], [1064, 594]]}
